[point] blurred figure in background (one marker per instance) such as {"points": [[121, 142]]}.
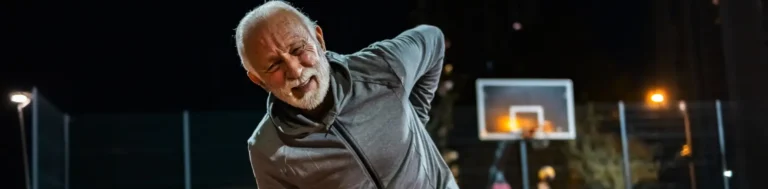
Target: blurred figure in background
{"points": [[546, 176]]}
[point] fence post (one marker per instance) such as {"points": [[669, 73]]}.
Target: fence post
{"points": [[524, 163], [721, 138], [624, 146], [187, 167], [35, 126], [66, 151]]}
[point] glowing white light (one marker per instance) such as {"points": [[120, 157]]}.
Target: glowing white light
{"points": [[727, 173], [22, 99], [19, 98], [682, 106], [517, 26], [657, 98]]}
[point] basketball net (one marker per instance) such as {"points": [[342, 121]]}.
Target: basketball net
{"points": [[529, 135]]}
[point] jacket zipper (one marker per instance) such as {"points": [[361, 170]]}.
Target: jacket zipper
{"points": [[358, 154]]}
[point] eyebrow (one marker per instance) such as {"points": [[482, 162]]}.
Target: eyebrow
{"points": [[296, 42]]}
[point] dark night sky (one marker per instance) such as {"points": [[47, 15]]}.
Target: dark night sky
{"points": [[129, 55], [136, 56], [96, 56]]}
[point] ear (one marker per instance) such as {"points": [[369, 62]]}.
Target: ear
{"points": [[319, 36], [255, 79]]}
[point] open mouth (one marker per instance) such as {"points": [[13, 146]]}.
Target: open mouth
{"points": [[304, 87]]}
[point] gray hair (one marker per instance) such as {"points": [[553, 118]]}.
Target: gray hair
{"points": [[260, 13]]}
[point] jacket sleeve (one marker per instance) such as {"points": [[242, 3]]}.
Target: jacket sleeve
{"points": [[267, 177], [416, 55]]}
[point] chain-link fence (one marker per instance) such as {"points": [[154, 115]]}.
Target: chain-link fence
{"points": [[127, 151], [654, 137], [682, 139], [208, 149], [219, 152], [163, 150], [138, 150], [49, 149]]}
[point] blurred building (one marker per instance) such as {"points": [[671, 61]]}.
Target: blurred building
{"points": [[688, 56], [744, 35], [716, 49], [688, 64]]}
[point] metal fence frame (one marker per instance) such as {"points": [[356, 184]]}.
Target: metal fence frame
{"points": [[185, 129]]}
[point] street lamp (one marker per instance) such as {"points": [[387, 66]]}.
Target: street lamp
{"points": [[22, 99], [688, 147], [657, 98]]}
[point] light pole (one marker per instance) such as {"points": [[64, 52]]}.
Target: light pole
{"points": [[22, 99], [688, 147], [657, 100]]}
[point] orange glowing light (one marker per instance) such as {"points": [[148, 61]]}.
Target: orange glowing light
{"points": [[527, 124], [504, 124], [657, 96], [548, 127]]}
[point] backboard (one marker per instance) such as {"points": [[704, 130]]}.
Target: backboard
{"points": [[507, 107]]}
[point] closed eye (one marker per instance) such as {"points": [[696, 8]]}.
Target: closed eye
{"points": [[298, 50], [273, 67]]}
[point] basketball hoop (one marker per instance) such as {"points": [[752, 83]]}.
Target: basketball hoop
{"points": [[530, 136], [525, 110]]}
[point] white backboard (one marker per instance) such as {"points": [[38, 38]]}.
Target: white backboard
{"points": [[506, 106]]}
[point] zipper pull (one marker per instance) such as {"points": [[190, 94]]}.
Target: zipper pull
{"points": [[328, 130]]}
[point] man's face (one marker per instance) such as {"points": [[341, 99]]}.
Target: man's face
{"points": [[284, 58]]}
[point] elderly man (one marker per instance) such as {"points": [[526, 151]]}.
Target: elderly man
{"points": [[341, 121]]}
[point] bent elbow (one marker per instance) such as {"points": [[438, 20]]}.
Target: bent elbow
{"points": [[431, 30]]}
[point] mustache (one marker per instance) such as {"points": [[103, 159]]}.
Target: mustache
{"points": [[305, 76]]}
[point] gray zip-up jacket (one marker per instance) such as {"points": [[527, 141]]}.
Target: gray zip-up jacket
{"points": [[374, 137]]}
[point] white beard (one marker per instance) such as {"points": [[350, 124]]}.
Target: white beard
{"points": [[312, 99]]}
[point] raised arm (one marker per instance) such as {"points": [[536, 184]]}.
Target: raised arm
{"points": [[417, 57]]}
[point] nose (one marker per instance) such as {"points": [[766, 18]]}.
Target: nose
{"points": [[293, 68]]}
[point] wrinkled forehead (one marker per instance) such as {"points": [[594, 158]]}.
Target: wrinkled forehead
{"points": [[270, 35]]}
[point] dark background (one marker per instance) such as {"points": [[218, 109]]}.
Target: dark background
{"points": [[163, 57]]}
